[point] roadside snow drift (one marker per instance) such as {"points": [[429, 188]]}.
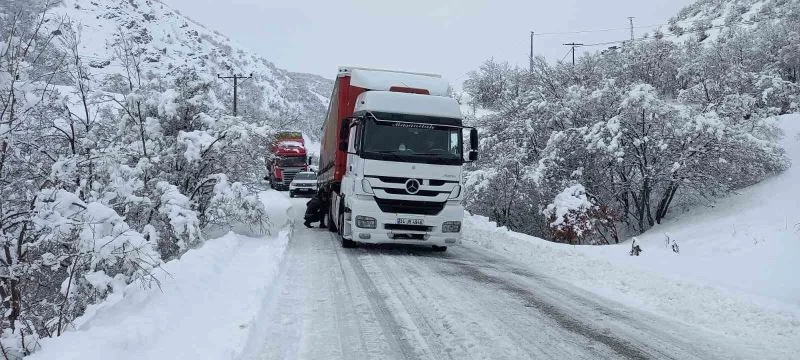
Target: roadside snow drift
{"points": [[735, 275], [204, 309]]}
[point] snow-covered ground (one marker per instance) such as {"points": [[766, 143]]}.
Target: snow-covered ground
{"points": [[204, 307], [735, 275]]}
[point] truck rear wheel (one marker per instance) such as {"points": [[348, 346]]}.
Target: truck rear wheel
{"points": [[331, 226], [440, 248]]}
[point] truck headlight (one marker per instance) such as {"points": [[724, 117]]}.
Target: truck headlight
{"points": [[451, 226], [366, 186], [366, 222], [455, 193]]}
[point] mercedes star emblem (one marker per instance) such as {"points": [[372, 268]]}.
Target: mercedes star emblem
{"points": [[412, 186]]}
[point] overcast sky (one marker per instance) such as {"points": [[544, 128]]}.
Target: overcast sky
{"points": [[449, 37]]}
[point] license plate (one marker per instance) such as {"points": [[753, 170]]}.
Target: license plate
{"points": [[410, 222]]}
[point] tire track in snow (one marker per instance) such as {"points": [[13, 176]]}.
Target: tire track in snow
{"points": [[391, 328], [340, 313], [491, 318], [439, 324], [428, 336], [482, 320], [632, 334]]}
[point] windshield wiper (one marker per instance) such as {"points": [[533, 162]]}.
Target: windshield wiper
{"points": [[442, 155]]}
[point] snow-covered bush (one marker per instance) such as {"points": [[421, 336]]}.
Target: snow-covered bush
{"points": [[569, 215]]}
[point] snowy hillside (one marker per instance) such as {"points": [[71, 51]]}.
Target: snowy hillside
{"points": [[168, 41], [705, 19]]}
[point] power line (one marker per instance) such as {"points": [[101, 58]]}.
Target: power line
{"points": [[236, 78], [750, 22], [595, 30], [642, 27]]}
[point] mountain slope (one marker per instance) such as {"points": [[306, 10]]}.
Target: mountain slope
{"points": [[705, 19], [168, 41]]}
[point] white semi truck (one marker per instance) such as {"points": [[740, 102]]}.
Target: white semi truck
{"points": [[391, 162]]}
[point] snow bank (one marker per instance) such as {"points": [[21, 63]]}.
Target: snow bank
{"points": [[745, 320], [205, 307]]}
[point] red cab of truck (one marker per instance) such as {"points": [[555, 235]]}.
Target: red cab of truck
{"points": [[287, 158]]}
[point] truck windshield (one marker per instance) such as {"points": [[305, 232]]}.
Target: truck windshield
{"points": [[387, 141], [295, 161]]}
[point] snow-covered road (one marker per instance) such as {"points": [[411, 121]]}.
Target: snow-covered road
{"points": [[412, 303]]}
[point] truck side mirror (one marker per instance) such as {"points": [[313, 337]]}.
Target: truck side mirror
{"points": [[472, 155], [473, 139]]}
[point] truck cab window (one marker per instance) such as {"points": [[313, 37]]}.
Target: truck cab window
{"points": [[387, 141]]}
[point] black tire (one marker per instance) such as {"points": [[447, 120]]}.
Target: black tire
{"points": [[331, 226], [347, 244], [291, 194], [440, 248]]}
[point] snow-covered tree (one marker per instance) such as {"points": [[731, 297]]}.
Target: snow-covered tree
{"points": [[103, 176], [642, 127]]}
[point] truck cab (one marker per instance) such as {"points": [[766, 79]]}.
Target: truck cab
{"points": [[403, 148], [287, 159]]}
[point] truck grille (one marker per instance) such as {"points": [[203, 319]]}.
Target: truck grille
{"points": [[288, 176], [400, 180], [404, 192], [410, 207]]}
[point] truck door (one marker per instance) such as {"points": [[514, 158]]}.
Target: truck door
{"points": [[352, 170]]}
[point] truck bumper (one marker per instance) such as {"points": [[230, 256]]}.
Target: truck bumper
{"points": [[388, 231]]}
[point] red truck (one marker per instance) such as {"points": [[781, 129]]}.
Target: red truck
{"points": [[393, 148], [287, 158]]}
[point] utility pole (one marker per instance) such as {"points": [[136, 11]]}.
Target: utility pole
{"points": [[630, 18], [574, 45], [530, 60], [236, 78]]}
